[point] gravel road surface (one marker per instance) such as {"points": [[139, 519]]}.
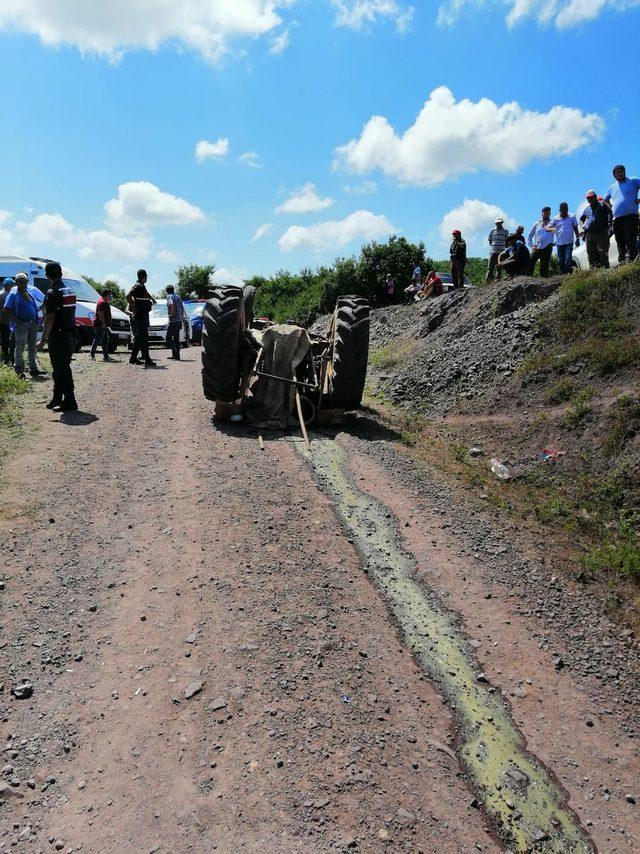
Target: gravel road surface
{"points": [[196, 656]]}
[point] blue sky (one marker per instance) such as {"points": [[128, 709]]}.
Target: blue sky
{"points": [[105, 102]]}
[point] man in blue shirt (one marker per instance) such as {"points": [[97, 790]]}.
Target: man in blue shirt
{"points": [[622, 199], [22, 305]]}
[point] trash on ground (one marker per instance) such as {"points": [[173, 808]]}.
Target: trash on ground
{"points": [[500, 470]]}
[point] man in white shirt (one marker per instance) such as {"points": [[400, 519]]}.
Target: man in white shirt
{"points": [[541, 243], [564, 226]]}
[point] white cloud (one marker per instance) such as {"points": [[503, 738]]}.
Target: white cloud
{"points": [[229, 276], [141, 205], [111, 27], [364, 188], [557, 12], [115, 279], [334, 234], [304, 200], [451, 137], [474, 219], [251, 159], [54, 230], [167, 256], [280, 43], [105, 244], [212, 150], [356, 14], [262, 231], [4, 216]]}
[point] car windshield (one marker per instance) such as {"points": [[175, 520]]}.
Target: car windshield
{"points": [[160, 310], [82, 290]]}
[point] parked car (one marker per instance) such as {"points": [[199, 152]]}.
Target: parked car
{"points": [[195, 311], [86, 298], [159, 322]]}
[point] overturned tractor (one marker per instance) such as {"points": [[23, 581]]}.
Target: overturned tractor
{"points": [[271, 370]]}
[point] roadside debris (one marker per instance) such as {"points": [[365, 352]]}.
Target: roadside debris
{"points": [[550, 454], [23, 690], [499, 469]]}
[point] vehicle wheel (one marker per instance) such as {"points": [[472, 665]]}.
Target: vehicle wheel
{"points": [[350, 352], [221, 334], [248, 297]]}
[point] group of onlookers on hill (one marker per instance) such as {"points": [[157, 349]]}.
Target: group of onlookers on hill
{"points": [[615, 213]]}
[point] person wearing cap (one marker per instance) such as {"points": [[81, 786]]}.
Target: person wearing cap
{"points": [[497, 242], [564, 226], [596, 221], [23, 305], [5, 323], [622, 199], [458, 255], [541, 243]]}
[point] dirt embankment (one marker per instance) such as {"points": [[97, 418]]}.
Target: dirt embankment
{"points": [[544, 377]]}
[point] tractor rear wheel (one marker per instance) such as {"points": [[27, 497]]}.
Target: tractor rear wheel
{"points": [[222, 327], [350, 352]]}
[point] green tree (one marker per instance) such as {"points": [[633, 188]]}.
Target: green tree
{"points": [[118, 296], [194, 280]]}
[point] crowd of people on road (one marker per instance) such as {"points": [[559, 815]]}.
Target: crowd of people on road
{"points": [[21, 305]]}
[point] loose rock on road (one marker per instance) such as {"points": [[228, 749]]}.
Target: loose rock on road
{"points": [[214, 667]]}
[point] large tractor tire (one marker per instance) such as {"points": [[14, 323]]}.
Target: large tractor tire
{"points": [[222, 327], [350, 352]]}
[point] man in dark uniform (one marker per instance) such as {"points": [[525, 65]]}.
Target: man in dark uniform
{"points": [[59, 332], [139, 302]]}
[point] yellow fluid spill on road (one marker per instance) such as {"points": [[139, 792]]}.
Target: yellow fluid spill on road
{"points": [[519, 795]]}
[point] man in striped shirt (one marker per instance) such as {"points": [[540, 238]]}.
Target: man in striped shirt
{"points": [[497, 241]]}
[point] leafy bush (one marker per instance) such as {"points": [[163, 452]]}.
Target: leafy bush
{"points": [[302, 297]]}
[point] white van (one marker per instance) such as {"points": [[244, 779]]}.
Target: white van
{"points": [[86, 298]]}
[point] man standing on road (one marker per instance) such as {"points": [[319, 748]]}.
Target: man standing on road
{"points": [[622, 199], [175, 307], [458, 255], [564, 226], [497, 243], [102, 326], [139, 302], [541, 243], [596, 221], [5, 323], [22, 305], [59, 332]]}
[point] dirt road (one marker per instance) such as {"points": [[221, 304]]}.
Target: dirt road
{"points": [[269, 651]]}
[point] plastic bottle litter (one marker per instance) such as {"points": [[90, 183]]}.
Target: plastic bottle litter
{"points": [[499, 469]]}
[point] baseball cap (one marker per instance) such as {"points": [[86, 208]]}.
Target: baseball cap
{"points": [[498, 219]]}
